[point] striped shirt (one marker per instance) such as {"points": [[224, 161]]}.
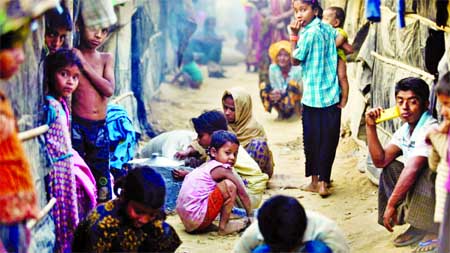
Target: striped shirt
{"points": [[316, 51]]}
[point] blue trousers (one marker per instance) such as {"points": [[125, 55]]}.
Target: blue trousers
{"points": [[321, 128], [90, 138]]}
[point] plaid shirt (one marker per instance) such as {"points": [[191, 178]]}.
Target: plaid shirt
{"points": [[316, 51]]}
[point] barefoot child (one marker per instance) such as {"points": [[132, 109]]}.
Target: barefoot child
{"points": [[335, 16], [245, 166], [89, 131], [213, 188], [316, 53]]}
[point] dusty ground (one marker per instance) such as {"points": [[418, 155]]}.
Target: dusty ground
{"points": [[353, 204]]}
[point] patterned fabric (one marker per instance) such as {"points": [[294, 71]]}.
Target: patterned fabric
{"points": [[18, 199], [109, 229], [260, 152], [279, 82], [192, 202], [90, 139], [61, 179], [316, 51], [291, 94], [415, 208]]}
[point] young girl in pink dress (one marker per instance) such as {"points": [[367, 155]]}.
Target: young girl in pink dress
{"points": [[62, 72]]}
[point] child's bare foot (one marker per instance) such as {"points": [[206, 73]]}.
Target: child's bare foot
{"points": [[312, 187], [233, 226], [323, 190]]}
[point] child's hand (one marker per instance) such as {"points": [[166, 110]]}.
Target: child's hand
{"points": [[343, 103], [179, 174], [80, 55], [295, 26], [181, 155]]}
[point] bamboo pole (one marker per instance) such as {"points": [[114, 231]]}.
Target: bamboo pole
{"points": [[32, 222], [121, 97], [404, 66], [29, 134]]}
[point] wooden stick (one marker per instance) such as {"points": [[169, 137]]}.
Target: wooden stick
{"points": [[32, 222], [29, 134], [121, 97], [404, 66]]}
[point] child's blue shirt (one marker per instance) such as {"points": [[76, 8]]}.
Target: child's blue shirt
{"points": [[316, 51]]}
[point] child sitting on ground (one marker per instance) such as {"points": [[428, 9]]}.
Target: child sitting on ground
{"points": [[205, 125], [213, 188], [335, 16], [190, 74], [284, 226]]}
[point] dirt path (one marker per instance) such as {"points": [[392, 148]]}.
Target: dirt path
{"points": [[353, 204]]}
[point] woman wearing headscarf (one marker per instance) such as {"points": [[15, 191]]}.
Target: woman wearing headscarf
{"points": [[283, 92], [237, 107]]}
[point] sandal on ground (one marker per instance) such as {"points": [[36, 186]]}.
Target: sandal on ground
{"points": [[410, 236], [427, 246]]}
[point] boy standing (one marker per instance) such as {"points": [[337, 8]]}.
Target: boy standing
{"points": [[89, 132]]}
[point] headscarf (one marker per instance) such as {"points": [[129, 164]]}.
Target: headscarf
{"points": [[245, 126], [276, 47]]}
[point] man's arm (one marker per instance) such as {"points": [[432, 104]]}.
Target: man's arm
{"points": [[407, 178], [380, 156]]}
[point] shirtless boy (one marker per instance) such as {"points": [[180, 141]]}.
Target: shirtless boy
{"points": [[89, 132]]}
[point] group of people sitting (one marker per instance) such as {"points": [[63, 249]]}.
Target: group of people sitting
{"points": [[232, 165]]}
